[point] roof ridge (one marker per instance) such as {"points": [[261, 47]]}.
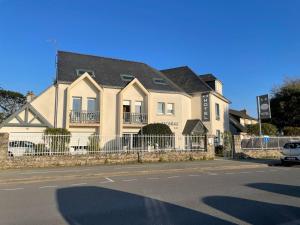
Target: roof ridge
{"points": [[102, 57]]}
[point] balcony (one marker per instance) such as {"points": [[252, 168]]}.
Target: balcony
{"points": [[84, 117], [135, 118]]}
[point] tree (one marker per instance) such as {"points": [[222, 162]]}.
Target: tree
{"points": [[285, 104], [266, 128], [10, 102]]}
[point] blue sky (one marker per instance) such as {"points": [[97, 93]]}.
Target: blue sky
{"points": [[249, 45]]}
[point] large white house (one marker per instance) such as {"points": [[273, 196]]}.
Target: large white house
{"points": [[114, 97]]}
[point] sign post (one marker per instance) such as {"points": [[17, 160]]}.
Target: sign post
{"points": [[263, 109]]}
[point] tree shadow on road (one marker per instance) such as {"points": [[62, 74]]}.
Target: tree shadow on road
{"points": [[255, 212], [284, 189], [97, 205]]}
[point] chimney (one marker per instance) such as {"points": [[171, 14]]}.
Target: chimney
{"points": [[29, 96]]}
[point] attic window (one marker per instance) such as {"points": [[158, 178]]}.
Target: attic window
{"points": [[127, 77], [160, 81], [79, 72]]}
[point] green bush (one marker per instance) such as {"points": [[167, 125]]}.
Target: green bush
{"points": [[156, 129], [291, 131], [93, 144], [266, 128], [57, 139]]}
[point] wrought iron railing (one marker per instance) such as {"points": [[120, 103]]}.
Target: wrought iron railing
{"points": [[135, 118], [84, 117]]}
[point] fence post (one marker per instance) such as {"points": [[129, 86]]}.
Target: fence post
{"points": [[210, 146], [4, 139], [237, 144]]}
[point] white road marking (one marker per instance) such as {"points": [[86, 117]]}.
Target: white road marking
{"points": [[272, 170], [153, 178], [172, 177], [245, 172], [79, 184], [50, 186], [54, 171], [129, 180], [214, 174], [110, 180], [260, 171], [194, 175], [229, 173], [12, 189]]}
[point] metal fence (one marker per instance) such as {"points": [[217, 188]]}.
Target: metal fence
{"points": [[266, 143], [37, 144]]}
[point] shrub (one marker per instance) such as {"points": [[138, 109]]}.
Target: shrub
{"points": [[266, 128], [219, 149], [93, 144], [291, 131], [57, 139], [156, 129]]}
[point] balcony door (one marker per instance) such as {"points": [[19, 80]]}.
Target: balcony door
{"points": [[92, 110], [126, 111], [139, 116], [76, 109]]}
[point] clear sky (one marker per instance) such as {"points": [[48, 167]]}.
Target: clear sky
{"points": [[249, 45]]}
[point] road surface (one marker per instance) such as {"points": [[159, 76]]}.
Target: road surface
{"points": [[199, 192]]}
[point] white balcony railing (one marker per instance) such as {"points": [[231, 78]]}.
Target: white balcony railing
{"points": [[84, 117], [135, 118]]}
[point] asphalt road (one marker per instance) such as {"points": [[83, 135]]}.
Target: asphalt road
{"points": [[205, 192]]}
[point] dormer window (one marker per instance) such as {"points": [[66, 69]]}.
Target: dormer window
{"points": [[160, 81], [79, 72], [127, 77]]}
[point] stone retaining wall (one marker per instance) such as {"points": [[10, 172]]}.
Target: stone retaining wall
{"points": [[65, 160], [262, 154]]}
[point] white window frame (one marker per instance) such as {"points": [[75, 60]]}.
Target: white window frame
{"points": [[163, 108], [217, 112], [87, 104], [76, 97], [173, 109]]}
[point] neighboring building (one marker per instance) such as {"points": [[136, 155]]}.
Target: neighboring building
{"points": [[239, 120], [115, 97]]}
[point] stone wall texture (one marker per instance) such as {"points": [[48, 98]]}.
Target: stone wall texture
{"points": [[262, 154], [124, 158]]}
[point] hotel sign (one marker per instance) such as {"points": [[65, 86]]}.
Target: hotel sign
{"points": [[205, 108], [264, 107]]}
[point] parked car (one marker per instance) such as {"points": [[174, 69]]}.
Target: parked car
{"points": [[78, 150], [20, 148], [291, 152]]}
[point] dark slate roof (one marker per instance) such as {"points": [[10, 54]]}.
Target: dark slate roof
{"points": [[207, 77], [236, 124], [240, 114], [194, 127], [107, 71], [186, 79]]}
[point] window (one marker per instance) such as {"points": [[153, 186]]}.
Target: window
{"points": [[79, 72], [127, 77], [91, 105], [170, 108], [160, 108], [138, 107], [217, 108], [160, 81], [76, 107], [218, 137], [126, 106]]}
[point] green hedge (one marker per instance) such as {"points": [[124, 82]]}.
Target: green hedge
{"points": [[156, 129], [291, 131], [267, 129]]}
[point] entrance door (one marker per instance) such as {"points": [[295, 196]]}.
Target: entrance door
{"points": [[126, 111]]}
